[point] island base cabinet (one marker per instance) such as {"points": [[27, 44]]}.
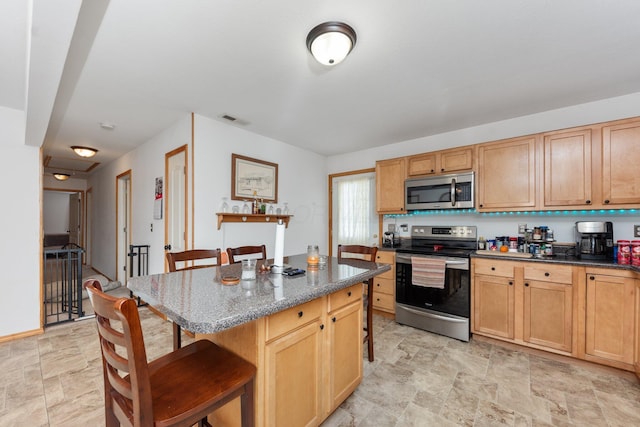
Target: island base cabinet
{"points": [[609, 320], [293, 378]]}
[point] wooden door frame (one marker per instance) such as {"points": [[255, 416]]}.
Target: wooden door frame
{"points": [[166, 194], [82, 209], [330, 186], [128, 173]]}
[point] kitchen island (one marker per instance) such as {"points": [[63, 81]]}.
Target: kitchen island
{"points": [[303, 333]]}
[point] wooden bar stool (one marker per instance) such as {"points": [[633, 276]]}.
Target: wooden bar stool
{"points": [[243, 252], [191, 255], [367, 253], [178, 389]]}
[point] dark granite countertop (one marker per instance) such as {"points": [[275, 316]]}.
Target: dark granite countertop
{"points": [[198, 301], [560, 259]]}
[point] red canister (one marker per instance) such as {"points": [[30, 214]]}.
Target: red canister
{"points": [[624, 252], [635, 252]]}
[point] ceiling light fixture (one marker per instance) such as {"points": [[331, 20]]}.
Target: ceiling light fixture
{"points": [[331, 42], [107, 126], [61, 176], [84, 151]]}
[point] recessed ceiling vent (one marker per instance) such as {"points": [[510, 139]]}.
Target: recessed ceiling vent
{"points": [[228, 117]]}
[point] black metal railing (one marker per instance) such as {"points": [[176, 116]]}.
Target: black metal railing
{"points": [[138, 262], [62, 284]]}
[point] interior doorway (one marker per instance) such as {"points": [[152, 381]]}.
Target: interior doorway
{"points": [[64, 214], [123, 221], [176, 211], [353, 219]]}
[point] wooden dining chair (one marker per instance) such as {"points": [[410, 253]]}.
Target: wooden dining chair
{"points": [[243, 252], [178, 389], [173, 258], [367, 253]]}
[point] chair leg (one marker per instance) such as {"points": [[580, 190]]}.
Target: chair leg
{"points": [[370, 319], [177, 336], [247, 406]]}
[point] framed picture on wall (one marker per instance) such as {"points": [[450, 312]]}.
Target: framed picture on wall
{"points": [[252, 175]]}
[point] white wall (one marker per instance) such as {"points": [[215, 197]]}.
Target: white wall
{"points": [[21, 249], [302, 183]]}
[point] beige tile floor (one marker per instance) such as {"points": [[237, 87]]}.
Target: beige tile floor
{"points": [[417, 379]]}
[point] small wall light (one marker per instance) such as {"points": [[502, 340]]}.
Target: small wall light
{"points": [[61, 176], [331, 42], [84, 151]]}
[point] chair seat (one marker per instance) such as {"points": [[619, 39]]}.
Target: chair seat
{"points": [[184, 382]]}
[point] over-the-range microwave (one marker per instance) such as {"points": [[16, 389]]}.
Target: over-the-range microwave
{"points": [[454, 191]]}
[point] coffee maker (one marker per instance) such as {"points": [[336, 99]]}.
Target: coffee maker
{"points": [[594, 240]]}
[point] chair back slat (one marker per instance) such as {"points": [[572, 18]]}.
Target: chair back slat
{"points": [[125, 369], [193, 255], [245, 252], [367, 253]]}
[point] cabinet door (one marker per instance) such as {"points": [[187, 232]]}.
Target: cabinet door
{"points": [[493, 306], [293, 374], [548, 314], [390, 176], [637, 335], [421, 164], [620, 158], [567, 168], [456, 160], [609, 317], [507, 175], [345, 353]]}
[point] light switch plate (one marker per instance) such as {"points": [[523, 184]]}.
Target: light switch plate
{"points": [[636, 230]]}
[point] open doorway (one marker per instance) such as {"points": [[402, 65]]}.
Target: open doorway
{"points": [[63, 217]]}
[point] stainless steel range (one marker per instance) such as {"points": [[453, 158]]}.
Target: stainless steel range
{"points": [[443, 308]]}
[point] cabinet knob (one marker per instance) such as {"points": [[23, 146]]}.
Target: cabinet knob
{"points": [[442, 170], [322, 327], [300, 314], [606, 202], [349, 293], [333, 319], [547, 274], [493, 269], [526, 284], [432, 171], [510, 283], [588, 202], [378, 284], [592, 278], [481, 206], [378, 299]]}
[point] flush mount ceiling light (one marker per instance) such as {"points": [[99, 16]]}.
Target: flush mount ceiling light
{"points": [[61, 176], [331, 42], [84, 151]]}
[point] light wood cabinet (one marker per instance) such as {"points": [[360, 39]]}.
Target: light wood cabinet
{"points": [[548, 310], [637, 332], [390, 177], [440, 162], [493, 290], [507, 175], [567, 168], [384, 285], [344, 345], [620, 158], [527, 303], [609, 318]]}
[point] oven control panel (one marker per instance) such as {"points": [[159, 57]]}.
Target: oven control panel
{"points": [[444, 231]]}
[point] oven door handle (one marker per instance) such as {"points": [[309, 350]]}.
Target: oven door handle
{"points": [[406, 259], [434, 316]]}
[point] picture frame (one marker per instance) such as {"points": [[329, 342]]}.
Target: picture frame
{"points": [[249, 175]]}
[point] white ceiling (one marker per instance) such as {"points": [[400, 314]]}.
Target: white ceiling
{"points": [[419, 67]]}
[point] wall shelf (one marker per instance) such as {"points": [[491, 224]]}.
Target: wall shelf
{"points": [[240, 217]]}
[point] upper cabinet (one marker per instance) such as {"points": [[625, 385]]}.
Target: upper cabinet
{"points": [[507, 175], [620, 157], [567, 168], [440, 162], [390, 176]]}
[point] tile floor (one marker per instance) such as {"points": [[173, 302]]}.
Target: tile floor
{"points": [[417, 379]]}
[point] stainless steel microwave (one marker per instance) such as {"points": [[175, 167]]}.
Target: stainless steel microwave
{"points": [[454, 191]]}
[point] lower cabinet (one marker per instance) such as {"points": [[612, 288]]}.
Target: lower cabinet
{"points": [[637, 334], [526, 303], [609, 318], [308, 360], [384, 285]]}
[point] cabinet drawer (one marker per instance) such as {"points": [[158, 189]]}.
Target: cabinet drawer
{"points": [[549, 273], [345, 296], [384, 302], [294, 317], [493, 268], [383, 286], [387, 257]]}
